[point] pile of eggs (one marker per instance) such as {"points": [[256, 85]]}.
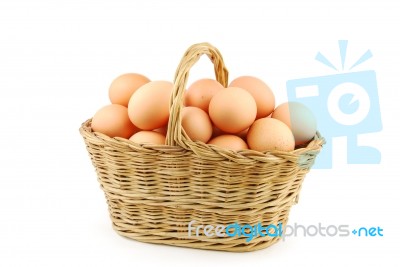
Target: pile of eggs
{"points": [[241, 116]]}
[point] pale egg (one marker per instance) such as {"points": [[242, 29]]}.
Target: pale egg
{"points": [[300, 120]]}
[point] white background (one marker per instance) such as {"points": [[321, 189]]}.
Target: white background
{"points": [[57, 59]]}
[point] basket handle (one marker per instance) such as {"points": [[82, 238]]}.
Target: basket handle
{"points": [[175, 134]]}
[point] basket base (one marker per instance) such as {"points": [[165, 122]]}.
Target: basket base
{"points": [[199, 244], [175, 230]]}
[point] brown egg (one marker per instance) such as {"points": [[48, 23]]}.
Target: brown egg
{"points": [[148, 107], [261, 92], [123, 87], [148, 137], [199, 94], [233, 110], [270, 134], [300, 120], [113, 120], [196, 124], [229, 141]]}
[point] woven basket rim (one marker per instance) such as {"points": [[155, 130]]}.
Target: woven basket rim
{"points": [[314, 146]]}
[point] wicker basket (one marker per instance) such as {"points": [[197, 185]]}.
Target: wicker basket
{"points": [[154, 191]]}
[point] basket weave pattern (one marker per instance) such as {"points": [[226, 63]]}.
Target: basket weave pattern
{"points": [[154, 191]]}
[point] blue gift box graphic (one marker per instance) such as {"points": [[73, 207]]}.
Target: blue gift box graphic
{"points": [[344, 104]]}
